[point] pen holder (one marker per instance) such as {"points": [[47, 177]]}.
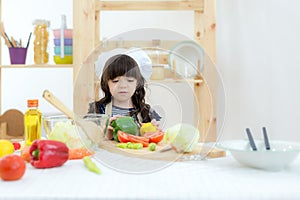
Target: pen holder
{"points": [[17, 55]]}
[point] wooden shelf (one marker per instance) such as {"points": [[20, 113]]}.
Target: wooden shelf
{"points": [[179, 80], [37, 66]]}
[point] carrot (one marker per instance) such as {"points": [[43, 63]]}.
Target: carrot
{"points": [[25, 153], [79, 153]]}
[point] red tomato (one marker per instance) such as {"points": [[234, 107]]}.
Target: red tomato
{"points": [[12, 167], [137, 140], [155, 137], [125, 137]]}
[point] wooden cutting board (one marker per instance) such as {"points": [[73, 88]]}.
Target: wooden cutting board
{"points": [[12, 125], [171, 155]]}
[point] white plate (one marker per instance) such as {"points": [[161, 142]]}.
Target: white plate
{"points": [[187, 55], [282, 153]]}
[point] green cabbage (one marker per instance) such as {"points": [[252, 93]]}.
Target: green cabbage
{"points": [[183, 137], [71, 135]]}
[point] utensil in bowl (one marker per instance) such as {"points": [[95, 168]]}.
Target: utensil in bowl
{"points": [[282, 153], [91, 129], [266, 139], [252, 143]]}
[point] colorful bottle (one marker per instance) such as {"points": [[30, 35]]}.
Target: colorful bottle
{"points": [[41, 55], [32, 122]]}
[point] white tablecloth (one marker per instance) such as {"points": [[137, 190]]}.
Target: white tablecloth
{"points": [[220, 178]]}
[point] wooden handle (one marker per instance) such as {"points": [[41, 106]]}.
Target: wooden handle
{"points": [[58, 104]]}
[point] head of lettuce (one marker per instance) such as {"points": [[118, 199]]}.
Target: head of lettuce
{"points": [[182, 137]]}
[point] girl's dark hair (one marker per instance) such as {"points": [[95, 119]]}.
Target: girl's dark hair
{"points": [[123, 65]]}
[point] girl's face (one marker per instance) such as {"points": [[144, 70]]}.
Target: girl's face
{"points": [[122, 89]]}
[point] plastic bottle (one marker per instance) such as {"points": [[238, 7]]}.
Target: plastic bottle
{"points": [[41, 32], [32, 122]]}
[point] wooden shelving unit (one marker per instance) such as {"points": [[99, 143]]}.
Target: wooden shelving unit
{"points": [[87, 37]]}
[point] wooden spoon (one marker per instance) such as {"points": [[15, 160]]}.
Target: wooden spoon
{"points": [[91, 129]]}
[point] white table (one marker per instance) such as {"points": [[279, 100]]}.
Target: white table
{"points": [[221, 178]]}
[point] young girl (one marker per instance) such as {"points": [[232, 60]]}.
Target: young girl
{"points": [[124, 92]]}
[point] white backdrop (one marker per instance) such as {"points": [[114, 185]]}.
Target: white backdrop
{"points": [[257, 44], [257, 53]]}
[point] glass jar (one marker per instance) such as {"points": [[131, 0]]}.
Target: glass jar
{"points": [[41, 32]]}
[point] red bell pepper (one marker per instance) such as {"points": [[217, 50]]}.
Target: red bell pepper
{"points": [[48, 153]]}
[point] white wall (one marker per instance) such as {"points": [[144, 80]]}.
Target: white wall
{"points": [[257, 53], [18, 85], [257, 43]]}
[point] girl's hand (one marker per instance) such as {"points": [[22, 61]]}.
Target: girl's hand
{"points": [[155, 123], [110, 129]]}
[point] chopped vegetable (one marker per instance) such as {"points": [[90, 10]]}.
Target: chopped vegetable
{"points": [[152, 146], [182, 137], [90, 165], [79, 153], [124, 137], [147, 127], [25, 153], [125, 124], [48, 153], [155, 137], [130, 145]]}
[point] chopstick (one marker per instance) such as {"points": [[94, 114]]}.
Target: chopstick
{"points": [[252, 143], [266, 139]]}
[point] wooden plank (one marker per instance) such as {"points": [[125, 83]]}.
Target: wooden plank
{"points": [[83, 43], [0, 61], [44, 66], [150, 5], [205, 35], [169, 155]]}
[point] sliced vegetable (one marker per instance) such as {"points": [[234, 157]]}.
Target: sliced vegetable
{"points": [[123, 137], [130, 145], [152, 146], [155, 137], [125, 124], [90, 165], [79, 153], [25, 153], [147, 127], [134, 138]]}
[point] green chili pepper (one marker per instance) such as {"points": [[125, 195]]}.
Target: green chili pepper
{"points": [[91, 165]]}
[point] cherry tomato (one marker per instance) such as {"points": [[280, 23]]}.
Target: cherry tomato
{"points": [[17, 145], [155, 137], [12, 167]]}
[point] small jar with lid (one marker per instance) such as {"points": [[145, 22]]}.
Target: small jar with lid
{"points": [[41, 32]]}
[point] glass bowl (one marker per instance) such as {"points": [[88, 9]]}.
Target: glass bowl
{"points": [[60, 127], [281, 154]]}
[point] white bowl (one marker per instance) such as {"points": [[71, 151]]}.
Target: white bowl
{"points": [[281, 154]]}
